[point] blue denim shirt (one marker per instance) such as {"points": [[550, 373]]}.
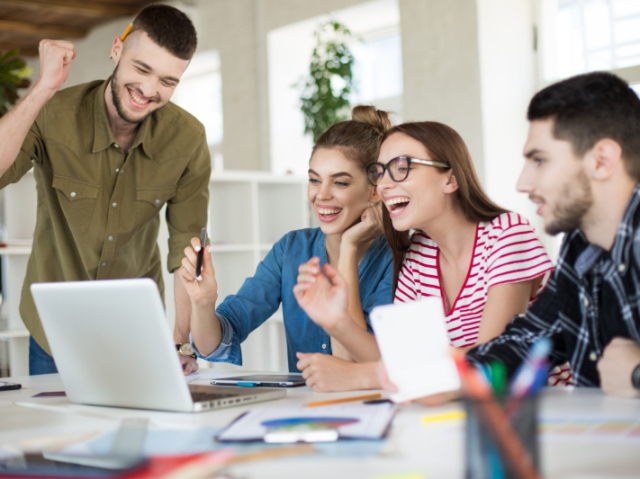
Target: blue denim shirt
{"points": [[260, 296]]}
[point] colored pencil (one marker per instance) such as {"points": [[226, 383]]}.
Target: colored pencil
{"points": [[338, 401], [493, 418], [126, 32]]}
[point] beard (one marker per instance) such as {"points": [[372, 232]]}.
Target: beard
{"points": [[119, 102], [568, 216]]}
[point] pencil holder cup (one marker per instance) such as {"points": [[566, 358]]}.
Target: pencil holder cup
{"points": [[484, 459]]}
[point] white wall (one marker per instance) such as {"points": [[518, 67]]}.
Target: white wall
{"points": [[508, 72], [441, 68]]}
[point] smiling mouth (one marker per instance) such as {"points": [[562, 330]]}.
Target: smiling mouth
{"points": [[397, 205], [328, 214], [138, 99]]}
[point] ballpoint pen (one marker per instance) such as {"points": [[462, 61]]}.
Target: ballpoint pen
{"points": [[203, 239]]}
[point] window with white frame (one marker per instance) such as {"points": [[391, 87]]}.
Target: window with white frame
{"points": [[377, 69], [377, 74], [587, 35], [200, 93]]}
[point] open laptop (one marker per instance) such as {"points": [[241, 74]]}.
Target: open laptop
{"points": [[112, 347]]}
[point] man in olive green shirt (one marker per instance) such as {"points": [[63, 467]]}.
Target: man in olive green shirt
{"points": [[107, 156]]}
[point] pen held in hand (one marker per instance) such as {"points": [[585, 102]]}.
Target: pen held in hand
{"points": [[203, 240]]}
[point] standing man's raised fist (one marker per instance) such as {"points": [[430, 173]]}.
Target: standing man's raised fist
{"points": [[55, 59]]}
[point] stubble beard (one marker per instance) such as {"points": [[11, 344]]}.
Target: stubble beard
{"points": [[118, 102], [568, 216]]}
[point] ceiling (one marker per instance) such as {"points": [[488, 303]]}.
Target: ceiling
{"points": [[23, 23]]}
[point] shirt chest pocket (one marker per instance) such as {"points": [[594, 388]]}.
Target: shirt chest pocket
{"points": [[149, 201], [77, 200]]}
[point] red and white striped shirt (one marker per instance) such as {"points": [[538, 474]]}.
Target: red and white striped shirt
{"points": [[506, 250]]}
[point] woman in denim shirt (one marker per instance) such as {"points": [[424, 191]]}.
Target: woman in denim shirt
{"points": [[349, 238]]}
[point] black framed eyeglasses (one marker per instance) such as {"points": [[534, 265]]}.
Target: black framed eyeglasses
{"points": [[398, 168]]}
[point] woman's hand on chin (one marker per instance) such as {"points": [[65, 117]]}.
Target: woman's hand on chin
{"points": [[323, 296], [327, 373], [368, 229]]}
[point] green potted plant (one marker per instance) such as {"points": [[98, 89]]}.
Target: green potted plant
{"points": [[13, 76], [325, 91]]}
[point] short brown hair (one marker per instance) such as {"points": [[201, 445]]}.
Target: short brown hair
{"points": [[358, 139], [168, 28], [444, 144], [587, 108]]}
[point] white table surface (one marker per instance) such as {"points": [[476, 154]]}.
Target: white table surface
{"points": [[432, 450]]}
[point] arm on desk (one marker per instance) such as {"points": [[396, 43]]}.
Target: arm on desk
{"points": [[353, 246]]}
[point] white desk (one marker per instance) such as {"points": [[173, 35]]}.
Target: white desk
{"points": [[434, 450]]}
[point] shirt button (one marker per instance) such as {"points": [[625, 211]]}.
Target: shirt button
{"points": [[586, 302], [117, 170], [621, 268], [593, 356], [324, 346], [73, 194], [157, 202], [110, 238], [104, 264], [114, 204], [116, 145]]}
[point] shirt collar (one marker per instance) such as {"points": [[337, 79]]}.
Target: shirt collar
{"points": [[624, 237], [621, 243], [102, 135]]}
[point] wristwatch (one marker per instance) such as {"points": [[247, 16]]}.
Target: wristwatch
{"points": [[186, 350], [635, 377]]}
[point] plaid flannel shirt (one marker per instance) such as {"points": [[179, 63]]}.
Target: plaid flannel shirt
{"points": [[568, 310]]}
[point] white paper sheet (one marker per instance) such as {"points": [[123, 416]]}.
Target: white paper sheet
{"points": [[415, 348], [371, 421]]}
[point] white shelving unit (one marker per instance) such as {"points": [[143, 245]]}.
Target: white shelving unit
{"points": [[18, 210], [248, 213]]}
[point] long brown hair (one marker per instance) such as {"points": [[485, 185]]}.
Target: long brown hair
{"points": [[443, 144]]}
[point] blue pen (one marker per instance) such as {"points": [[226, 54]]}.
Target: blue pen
{"points": [[525, 378]]}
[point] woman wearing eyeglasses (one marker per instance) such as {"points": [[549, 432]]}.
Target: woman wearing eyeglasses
{"points": [[485, 263]]}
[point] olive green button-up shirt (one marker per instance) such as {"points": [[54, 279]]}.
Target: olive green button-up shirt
{"points": [[98, 211]]}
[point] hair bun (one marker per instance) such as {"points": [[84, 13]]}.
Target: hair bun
{"points": [[379, 119]]}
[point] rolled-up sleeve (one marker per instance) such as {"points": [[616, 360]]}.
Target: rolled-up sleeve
{"points": [[30, 152], [224, 349], [187, 210]]}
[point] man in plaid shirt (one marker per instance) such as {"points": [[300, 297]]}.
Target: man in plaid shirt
{"points": [[583, 170]]}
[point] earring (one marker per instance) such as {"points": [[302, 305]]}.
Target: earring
{"points": [[110, 57]]}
